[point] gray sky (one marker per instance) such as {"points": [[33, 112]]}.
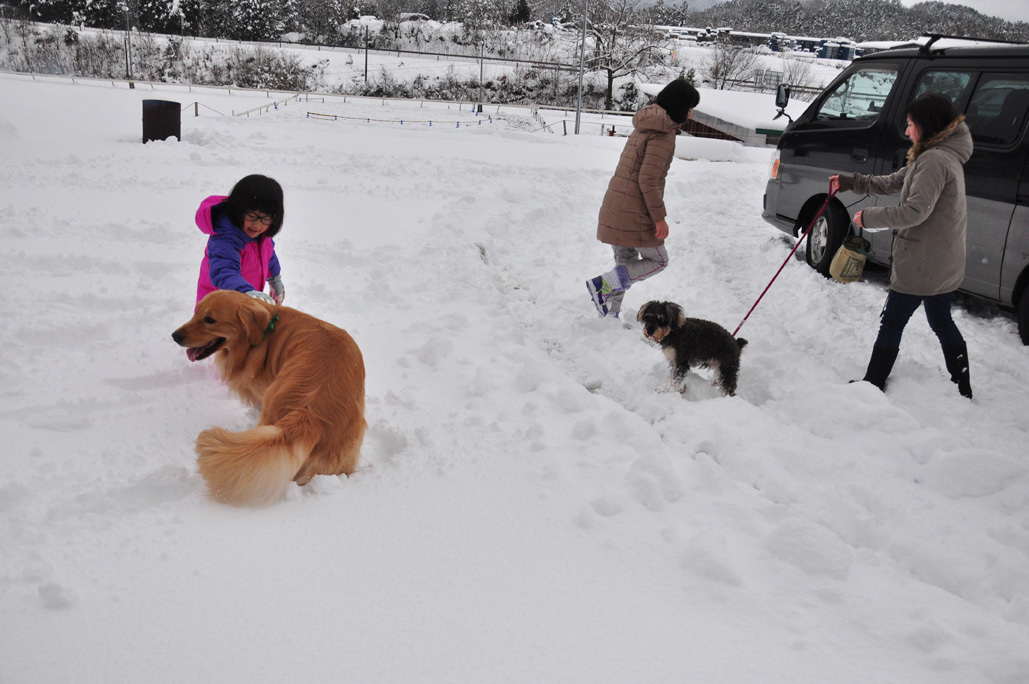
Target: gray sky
{"points": [[1012, 10]]}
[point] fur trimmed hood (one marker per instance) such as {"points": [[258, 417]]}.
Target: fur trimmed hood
{"points": [[956, 137], [654, 118]]}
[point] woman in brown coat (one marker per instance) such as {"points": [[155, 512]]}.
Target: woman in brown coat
{"points": [[929, 234], [632, 217]]}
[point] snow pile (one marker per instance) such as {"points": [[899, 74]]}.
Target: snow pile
{"points": [[533, 502]]}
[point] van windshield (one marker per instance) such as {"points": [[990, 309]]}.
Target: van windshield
{"points": [[860, 96]]}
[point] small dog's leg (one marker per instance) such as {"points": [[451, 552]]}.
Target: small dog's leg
{"points": [[679, 371], [716, 379], [727, 372]]}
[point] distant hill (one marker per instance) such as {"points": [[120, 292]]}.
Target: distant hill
{"points": [[857, 19]]}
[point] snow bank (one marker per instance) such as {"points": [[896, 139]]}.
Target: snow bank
{"points": [[533, 502]]}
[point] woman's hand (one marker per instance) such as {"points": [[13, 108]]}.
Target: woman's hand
{"points": [[834, 183], [661, 229], [857, 220]]}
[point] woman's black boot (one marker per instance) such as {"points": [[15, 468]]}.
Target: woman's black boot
{"points": [[880, 365], [956, 356]]}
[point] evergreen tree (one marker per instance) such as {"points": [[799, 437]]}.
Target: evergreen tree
{"points": [[323, 20], [669, 15], [105, 14], [161, 16], [192, 18], [254, 20], [521, 13], [51, 11], [289, 16]]}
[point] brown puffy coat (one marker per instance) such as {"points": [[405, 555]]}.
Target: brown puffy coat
{"points": [[634, 201]]}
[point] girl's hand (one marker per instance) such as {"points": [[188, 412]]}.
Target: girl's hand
{"points": [[277, 288], [257, 294], [857, 220], [661, 229]]}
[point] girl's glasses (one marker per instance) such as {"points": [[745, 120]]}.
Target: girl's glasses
{"points": [[254, 217]]}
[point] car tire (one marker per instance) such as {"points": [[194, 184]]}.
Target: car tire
{"points": [[1023, 316], [826, 237]]}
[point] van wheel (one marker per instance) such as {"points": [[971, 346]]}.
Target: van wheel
{"points": [[826, 237], [1023, 316]]}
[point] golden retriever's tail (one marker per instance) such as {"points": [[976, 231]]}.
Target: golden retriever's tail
{"points": [[248, 468]]}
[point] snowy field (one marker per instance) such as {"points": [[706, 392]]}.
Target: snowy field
{"points": [[349, 67], [533, 504]]}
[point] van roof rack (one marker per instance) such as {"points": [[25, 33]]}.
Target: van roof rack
{"points": [[933, 37]]}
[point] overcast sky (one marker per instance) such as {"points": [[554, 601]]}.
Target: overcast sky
{"points": [[1012, 10]]}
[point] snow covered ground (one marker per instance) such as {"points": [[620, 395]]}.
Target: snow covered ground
{"points": [[533, 502]]}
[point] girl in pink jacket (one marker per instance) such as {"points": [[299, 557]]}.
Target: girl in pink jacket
{"points": [[240, 253]]}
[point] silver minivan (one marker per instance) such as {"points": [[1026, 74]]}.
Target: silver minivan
{"points": [[856, 125]]}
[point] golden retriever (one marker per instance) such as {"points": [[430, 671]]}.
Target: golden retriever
{"points": [[307, 378]]}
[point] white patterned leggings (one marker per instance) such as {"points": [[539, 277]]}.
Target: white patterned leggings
{"points": [[640, 263]]}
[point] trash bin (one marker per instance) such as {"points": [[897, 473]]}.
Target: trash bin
{"points": [[161, 120]]}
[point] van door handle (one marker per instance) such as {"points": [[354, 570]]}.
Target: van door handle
{"points": [[860, 156]]}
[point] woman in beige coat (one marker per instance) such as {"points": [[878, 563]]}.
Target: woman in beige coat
{"points": [[929, 234], [632, 217]]}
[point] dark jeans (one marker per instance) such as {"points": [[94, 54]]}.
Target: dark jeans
{"points": [[898, 310]]}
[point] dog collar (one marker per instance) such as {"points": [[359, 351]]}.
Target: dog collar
{"points": [[271, 326]]}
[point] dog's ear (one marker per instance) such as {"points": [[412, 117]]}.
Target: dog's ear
{"points": [[643, 312], [676, 313], [254, 316]]}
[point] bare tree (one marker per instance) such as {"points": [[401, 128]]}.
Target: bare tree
{"points": [[623, 41], [797, 72], [5, 24], [729, 63]]}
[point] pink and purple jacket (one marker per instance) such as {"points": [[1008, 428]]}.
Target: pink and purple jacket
{"points": [[232, 260]]}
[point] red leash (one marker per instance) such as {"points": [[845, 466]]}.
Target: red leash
{"points": [[828, 197]]}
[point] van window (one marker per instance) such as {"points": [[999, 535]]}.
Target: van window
{"points": [[859, 97], [997, 112], [952, 84]]}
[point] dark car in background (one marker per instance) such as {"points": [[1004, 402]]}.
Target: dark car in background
{"points": [[856, 125]]}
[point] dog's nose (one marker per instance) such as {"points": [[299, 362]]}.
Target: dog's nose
{"points": [[177, 336]]}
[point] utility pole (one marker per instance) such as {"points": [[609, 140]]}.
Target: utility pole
{"points": [[582, 66], [482, 54], [366, 53], [128, 48]]}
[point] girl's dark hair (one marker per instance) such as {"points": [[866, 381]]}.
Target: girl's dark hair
{"points": [[256, 193], [931, 113], [678, 98]]}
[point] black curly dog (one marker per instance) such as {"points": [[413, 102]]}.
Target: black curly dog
{"points": [[690, 342]]}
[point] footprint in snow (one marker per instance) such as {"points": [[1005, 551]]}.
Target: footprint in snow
{"points": [[56, 597]]}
